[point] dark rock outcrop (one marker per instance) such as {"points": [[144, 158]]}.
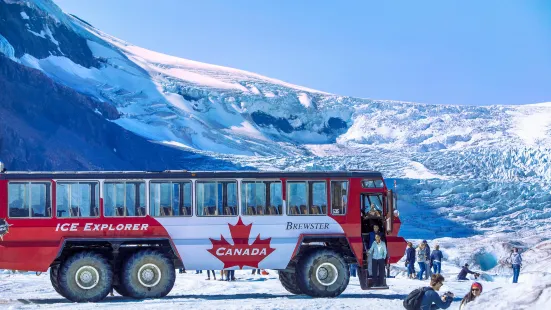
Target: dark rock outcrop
{"points": [[19, 32], [47, 126]]}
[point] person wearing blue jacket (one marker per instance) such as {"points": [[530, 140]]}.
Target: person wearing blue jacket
{"points": [[370, 241], [516, 261], [378, 253], [410, 260], [432, 300], [436, 259]]}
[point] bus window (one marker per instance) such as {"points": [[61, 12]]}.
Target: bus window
{"points": [[372, 183], [375, 200], [124, 199], [318, 197], [216, 198], [297, 198], [77, 199], [339, 197], [30, 199], [261, 198], [170, 199]]}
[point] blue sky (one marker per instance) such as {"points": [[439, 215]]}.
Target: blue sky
{"points": [[444, 52]]}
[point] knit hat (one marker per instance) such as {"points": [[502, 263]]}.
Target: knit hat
{"points": [[477, 285]]}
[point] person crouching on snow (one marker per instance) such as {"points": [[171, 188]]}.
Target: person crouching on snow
{"points": [[476, 290], [464, 271]]}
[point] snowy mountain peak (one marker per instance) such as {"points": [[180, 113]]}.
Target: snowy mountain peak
{"points": [[474, 168]]}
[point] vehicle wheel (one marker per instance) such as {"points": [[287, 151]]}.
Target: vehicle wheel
{"points": [[148, 274], [85, 277], [289, 282], [54, 278], [322, 272]]}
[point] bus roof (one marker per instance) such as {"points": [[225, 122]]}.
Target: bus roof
{"points": [[177, 174]]}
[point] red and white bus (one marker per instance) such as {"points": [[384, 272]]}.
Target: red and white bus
{"points": [[129, 231]]}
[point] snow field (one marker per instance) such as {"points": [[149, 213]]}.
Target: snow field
{"points": [[25, 291]]}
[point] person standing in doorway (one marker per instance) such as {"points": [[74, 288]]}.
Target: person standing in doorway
{"points": [[372, 236], [378, 253], [516, 261]]}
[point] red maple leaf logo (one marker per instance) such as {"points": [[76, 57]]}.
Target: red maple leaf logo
{"points": [[241, 253]]}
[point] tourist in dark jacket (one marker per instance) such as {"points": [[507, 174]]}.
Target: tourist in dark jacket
{"points": [[427, 262], [432, 300], [464, 271], [410, 260], [436, 259]]}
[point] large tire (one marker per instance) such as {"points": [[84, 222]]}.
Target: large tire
{"points": [[54, 278], [148, 274], [85, 277], [322, 272], [289, 282]]}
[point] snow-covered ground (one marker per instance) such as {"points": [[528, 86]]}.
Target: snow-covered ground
{"points": [[487, 255], [24, 291]]}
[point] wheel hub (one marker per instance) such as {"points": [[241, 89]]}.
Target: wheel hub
{"points": [[327, 274], [149, 275], [87, 277]]}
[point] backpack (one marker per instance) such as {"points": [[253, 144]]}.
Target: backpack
{"points": [[414, 299]]}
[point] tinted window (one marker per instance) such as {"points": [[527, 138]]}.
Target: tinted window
{"points": [[318, 198], [372, 183], [339, 197], [216, 198], [297, 197], [30, 199], [124, 199], [170, 199], [77, 199], [261, 198]]}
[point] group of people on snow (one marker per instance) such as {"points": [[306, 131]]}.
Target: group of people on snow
{"points": [[425, 259], [427, 298]]}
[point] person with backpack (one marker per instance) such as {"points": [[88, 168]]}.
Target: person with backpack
{"points": [[476, 290], [436, 259], [516, 262], [427, 298], [421, 260], [378, 253], [410, 260]]}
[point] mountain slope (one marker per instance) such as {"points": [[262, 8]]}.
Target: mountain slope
{"points": [[467, 169]]}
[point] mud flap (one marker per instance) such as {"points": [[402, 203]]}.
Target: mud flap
{"points": [[365, 281]]}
